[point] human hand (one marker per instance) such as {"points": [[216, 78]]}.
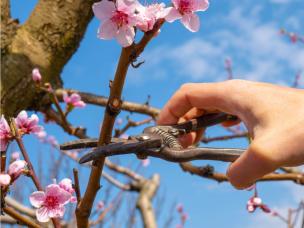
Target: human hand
{"points": [[273, 115]]}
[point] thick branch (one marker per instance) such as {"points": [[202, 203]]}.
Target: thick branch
{"points": [[144, 201], [113, 108], [46, 40]]}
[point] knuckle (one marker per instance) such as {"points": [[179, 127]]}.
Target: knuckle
{"points": [[235, 83], [186, 86]]}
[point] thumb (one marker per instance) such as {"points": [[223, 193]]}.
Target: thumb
{"points": [[250, 166]]}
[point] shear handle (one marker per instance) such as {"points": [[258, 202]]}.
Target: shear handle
{"points": [[204, 121]]}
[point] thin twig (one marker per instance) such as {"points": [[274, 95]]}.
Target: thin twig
{"points": [[225, 137], [123, 170], [131, 123], [94, 99], [31, 172], [208, 172], [26, 157], [23, 220], [76, 185]]}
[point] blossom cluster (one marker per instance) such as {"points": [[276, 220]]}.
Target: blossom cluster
{"points": [[15, 169], [24, 124], [51, 203], [294, 38], [120, 18], [183, 216], [72, 101], [256, 202]]}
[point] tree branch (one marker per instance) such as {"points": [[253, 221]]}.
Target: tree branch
{"points": [[20, 207], [22, 219], [102, 101], [144, 204], [112, 109], [208, 172], [225, 137], [46, 40]]}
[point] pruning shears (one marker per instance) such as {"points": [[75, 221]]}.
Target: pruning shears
{"points": [[161, 141]]}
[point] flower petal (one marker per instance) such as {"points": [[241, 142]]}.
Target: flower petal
{"points": [[127, 6], [125, 36], [107, 30], [75, 97], [172, 14], [21, 118], [103, 9], [62, 196], [176, 3], [57, 212], [37, 198], [5, 179], [191, 22], [202, 5], [16, 167], [42, 214]]}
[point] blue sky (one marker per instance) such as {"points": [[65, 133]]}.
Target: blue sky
{"points": [[247, 32]]}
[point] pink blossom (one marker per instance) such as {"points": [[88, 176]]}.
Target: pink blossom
{"points": [[184, 217], [145, 162], [50, 203], [180, 208], [36, 76], [53, 141], [27, 124], [184, 10], [118, 20], [5, 179], [148, 15], [100, 205], [16, 168], [74, 100], [66, 184], [41, 135], [293, 37], [256, 202], [15, 155], [5, 133]]}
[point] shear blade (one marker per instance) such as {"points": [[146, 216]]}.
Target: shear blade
{"points": [[132, 145]]}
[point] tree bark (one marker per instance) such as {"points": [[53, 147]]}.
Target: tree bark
{"points": [[47, 40]]}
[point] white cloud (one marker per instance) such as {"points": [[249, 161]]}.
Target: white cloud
{"points": [[257, 50], [280, 1]]}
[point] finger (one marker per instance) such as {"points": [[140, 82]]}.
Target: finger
{"points": [[192, 137], [249, 167], [194, 112], [200, 95], [188, 139]]}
